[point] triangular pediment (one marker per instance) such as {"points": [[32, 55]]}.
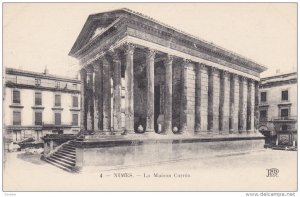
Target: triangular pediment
{"points": [[94, 26]]}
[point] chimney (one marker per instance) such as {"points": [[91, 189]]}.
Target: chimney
{"points": [[46, 71]]}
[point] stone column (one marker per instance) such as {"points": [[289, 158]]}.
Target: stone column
{"points": [[116, 91], [250, 106], [98, 96], [204, 97], [183, 109], [95, 98], [213, 101], [150, 56], [90, 98], [243, 105], [83, 115], [210, 100], [129, 104], [234, 103], [224, 102], [197, 98], [106, 96], [216, 99], [168, 95], [256, 106]]}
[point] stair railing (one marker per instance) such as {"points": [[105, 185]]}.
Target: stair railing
{"points": [[56, 149]]}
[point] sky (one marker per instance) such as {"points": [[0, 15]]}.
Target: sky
{"points": [[39, 35]]}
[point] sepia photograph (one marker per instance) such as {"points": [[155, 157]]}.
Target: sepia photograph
{"points": [[149, 97]]}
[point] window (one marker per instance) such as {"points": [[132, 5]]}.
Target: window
{"points": [[16, 96], [38, 117], [263, 97], [263, 116], [75, 86], [285, 95], [57, 84], [284, 113], [16, 118], [75, 101], [37, 82], [57, 101], [57, 118], [75, 119], [38, 98]]}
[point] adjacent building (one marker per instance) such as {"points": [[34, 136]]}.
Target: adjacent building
{"points": [[36, 104], [278, 108], [157, 79]]}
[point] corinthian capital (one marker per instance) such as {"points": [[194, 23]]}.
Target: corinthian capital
{"points": [[114, 55], [89, 69], [169, 59], [129, 48], [186, 61], [226, 74], [150, 53]]}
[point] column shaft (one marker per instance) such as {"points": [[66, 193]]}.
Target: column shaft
{"points": [[95, 98], [106, 96], [90, 99], [250, 106], [83, 123], [256, 106], [116, 92], [234, 103], [198, 98], [210, 100], [204, 97], [183, 109], [168, 95], [129, 104], [224, 102], [243, 105], [98, 97], [216, 99], [150, 55], [213, 102], [226, 106]]}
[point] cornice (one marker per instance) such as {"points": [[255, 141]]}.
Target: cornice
{"points": [[17, 72], [172, 35], [33, 87]]}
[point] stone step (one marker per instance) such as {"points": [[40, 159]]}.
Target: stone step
{"points": [[67, 151], [68, 148], [67, 157], [63, 160], [66, 154], [60, 163]]}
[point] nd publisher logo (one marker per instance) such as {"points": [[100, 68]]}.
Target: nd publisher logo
{"points": [[272, 172]]}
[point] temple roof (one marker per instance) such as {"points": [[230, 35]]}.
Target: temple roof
{"points": [[100, 22]]}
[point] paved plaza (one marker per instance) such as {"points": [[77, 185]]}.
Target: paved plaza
{"points": [[219, 173]]}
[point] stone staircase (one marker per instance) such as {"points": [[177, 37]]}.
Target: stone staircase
{"points": [[64, 158]]}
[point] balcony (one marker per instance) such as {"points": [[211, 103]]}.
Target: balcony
{"points": [[284, 119]]}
